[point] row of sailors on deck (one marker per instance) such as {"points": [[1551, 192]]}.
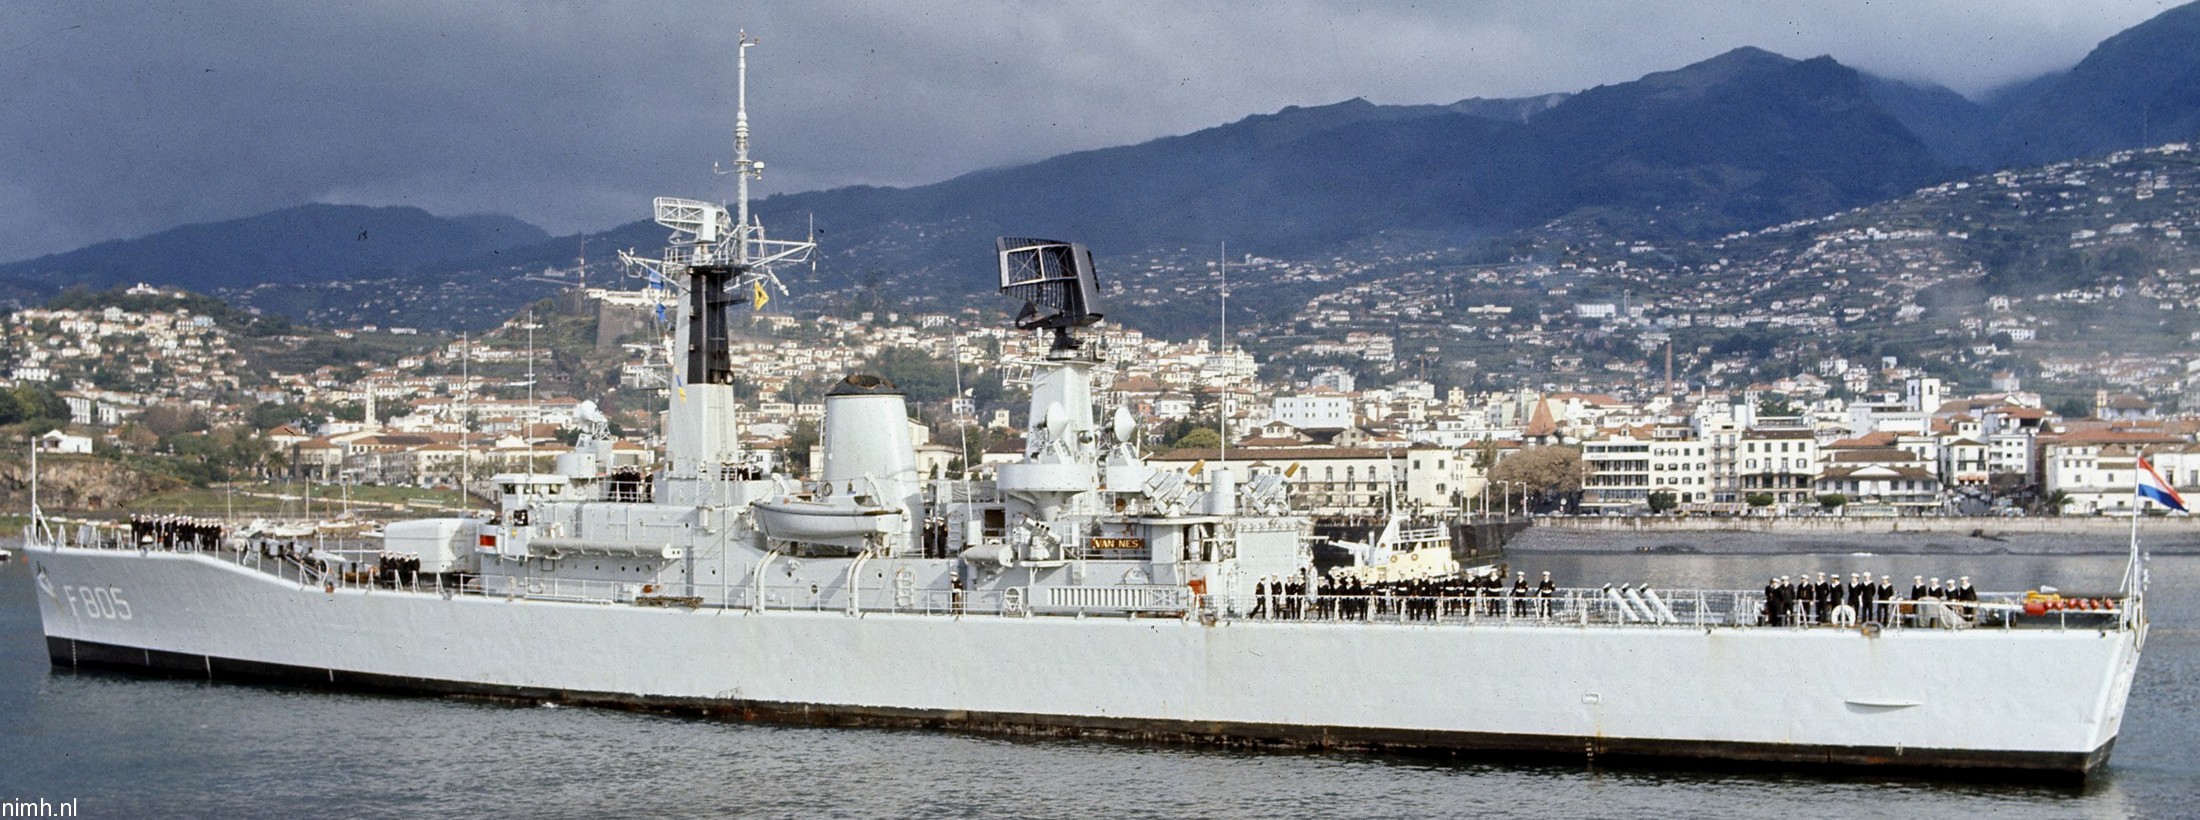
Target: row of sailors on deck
{"points": [[397, 568], [1418, 599], [1803, 602], [170, 532]]}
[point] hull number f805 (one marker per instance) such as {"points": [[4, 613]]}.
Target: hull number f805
{"points": [[96, 602]]}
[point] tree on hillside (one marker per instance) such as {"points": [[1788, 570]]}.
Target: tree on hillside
{"points": [[270, 415], [167, 420], [1547, 471], [1485, 454], [800, 439], [924, 379], [31, 403], [1777, 406], [1200, 437]]}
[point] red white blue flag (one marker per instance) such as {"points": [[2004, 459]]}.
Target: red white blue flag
{"points": [[2152, 486]]}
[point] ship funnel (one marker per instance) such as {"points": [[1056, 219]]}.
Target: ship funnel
{"points": [[866, 436], [1221, 492]]}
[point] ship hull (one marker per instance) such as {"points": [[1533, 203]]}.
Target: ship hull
{"points": [[1905, 698]]}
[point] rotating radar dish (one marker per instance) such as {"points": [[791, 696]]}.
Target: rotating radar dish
{"points": [[1056, 282]]}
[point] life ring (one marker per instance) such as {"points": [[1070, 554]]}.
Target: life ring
{"points": [[328, 587], [1870, 629]]}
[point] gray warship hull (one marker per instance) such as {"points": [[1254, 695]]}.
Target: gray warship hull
{"points": [[1497, 686]]}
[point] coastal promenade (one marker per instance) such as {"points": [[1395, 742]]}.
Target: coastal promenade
{"points": [[2041, 535]]}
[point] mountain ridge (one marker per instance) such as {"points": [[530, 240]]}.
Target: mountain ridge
{"points": [[305, 243], [1741, 140]]}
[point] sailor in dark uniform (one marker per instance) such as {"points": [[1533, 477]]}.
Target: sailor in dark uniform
{"points": [[1837, 595], [1883, 594], [1520, 594], [1260, 598], [1968, 596], [1866, 600], [1544, 593], [1806, 594]]}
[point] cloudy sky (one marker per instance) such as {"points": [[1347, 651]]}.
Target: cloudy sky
{"points": [[120, 119]]}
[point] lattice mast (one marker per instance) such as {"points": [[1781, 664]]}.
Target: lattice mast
{"points": [[716, 258]]}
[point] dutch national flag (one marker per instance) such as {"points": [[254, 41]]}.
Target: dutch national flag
{"points": [[2152, 486]]}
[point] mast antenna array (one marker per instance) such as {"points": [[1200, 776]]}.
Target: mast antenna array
{"points": [[1056, 282], [718, 256]]}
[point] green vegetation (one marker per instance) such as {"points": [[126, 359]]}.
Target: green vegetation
{"points": [[1203, 437], [34, 406], [228, 316], [1547, 471]]}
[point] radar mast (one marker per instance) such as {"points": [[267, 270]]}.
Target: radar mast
{"points": [[717, 257]]}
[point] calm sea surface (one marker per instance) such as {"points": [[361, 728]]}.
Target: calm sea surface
{"points": [[127, 746]]}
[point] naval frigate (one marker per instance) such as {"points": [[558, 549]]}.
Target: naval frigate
{"points": [[1078, 591]]}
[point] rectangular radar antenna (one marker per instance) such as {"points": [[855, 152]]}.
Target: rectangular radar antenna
{"points": [[1056, 282]]}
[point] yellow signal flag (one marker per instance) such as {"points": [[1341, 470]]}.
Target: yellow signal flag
{"points": [[763, 297], [1291, 471], [1200, 467]]}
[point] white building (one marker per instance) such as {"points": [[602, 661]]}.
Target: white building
{"points": [[1318, 411], [56, 441]]}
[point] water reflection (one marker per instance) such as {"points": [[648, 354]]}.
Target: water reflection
{"points": [[129, 746]]}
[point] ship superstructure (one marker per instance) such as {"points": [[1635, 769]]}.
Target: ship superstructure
{"points": [[1080, 590]]}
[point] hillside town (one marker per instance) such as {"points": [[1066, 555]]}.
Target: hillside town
{"points": [[2021, 271], [1895, 441]]}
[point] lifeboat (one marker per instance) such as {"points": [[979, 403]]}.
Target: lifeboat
{"points": [[836, 522]]}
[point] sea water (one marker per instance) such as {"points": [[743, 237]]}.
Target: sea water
{"points": [[124, 746]]}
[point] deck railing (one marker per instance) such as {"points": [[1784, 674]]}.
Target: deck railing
{"points": [[321, 565]]}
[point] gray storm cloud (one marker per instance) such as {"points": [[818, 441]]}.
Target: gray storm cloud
{"points": [[124, 119]]}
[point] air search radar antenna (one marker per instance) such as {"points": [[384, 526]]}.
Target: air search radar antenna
{"points": [[1056, 282]]}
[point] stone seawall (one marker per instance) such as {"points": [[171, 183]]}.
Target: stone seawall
{"points": [[2041, 535]]}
